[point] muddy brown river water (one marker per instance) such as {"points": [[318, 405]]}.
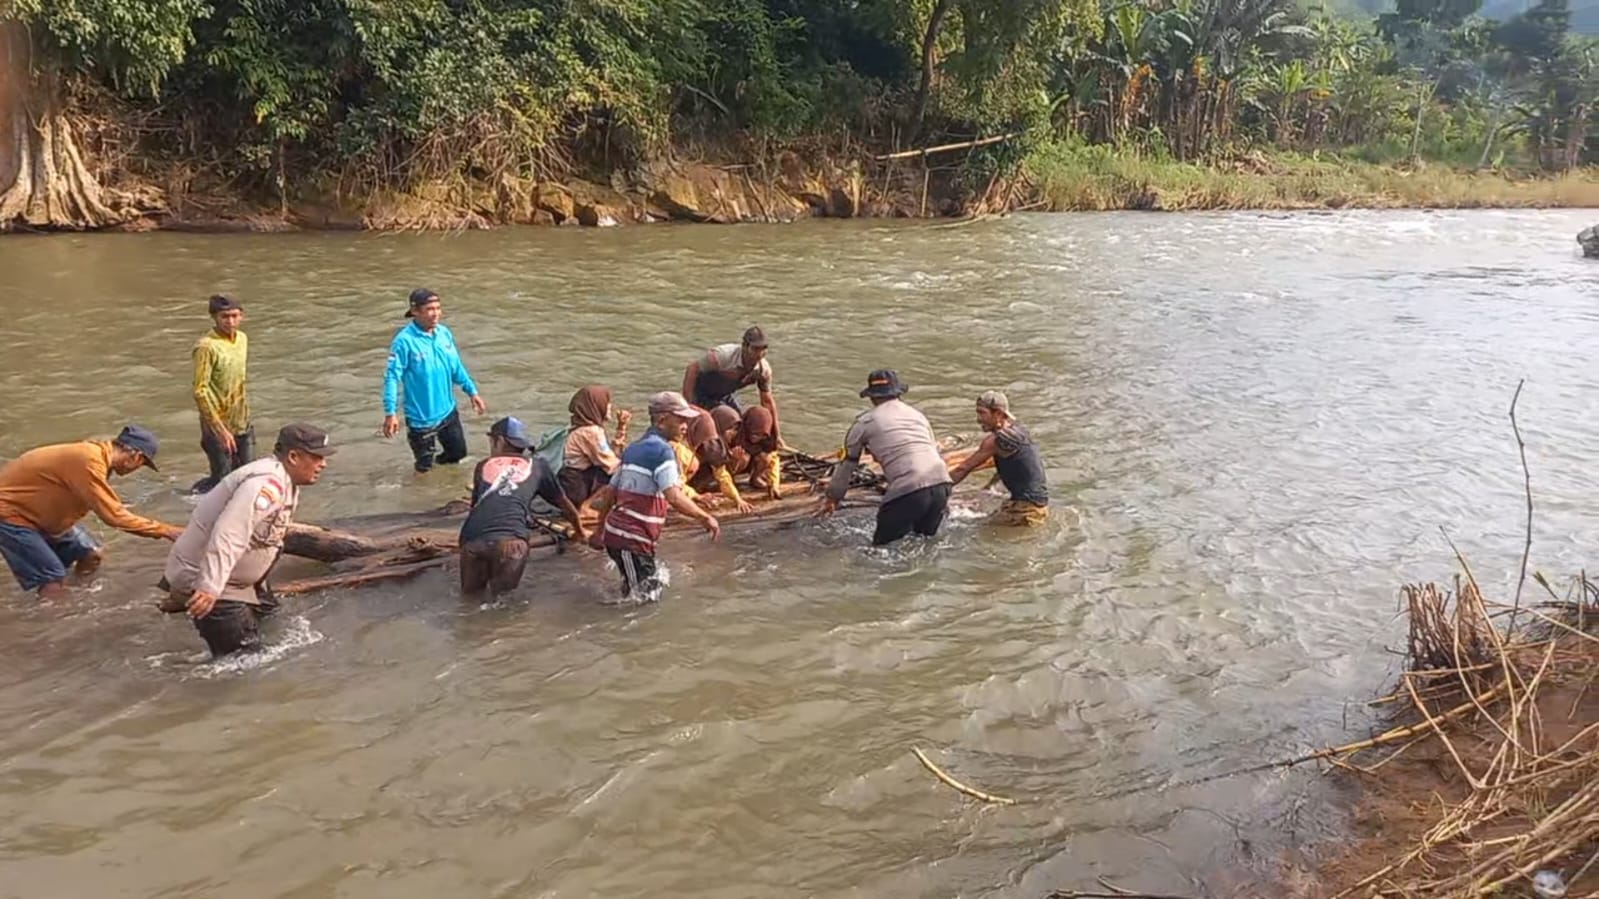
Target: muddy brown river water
{"points": [[1254, 427]]}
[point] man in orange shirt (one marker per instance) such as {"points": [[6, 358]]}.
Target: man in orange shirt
{"points": [[45, 492]]}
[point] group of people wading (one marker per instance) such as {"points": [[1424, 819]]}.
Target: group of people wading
{"points": [[698, 445]]}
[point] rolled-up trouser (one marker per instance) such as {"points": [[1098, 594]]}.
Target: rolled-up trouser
{"points": [[921, 511], [38, 559], [494, 564], [1021, 513]]}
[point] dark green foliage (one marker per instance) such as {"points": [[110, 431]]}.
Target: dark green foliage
{"points": [[391, 91], [132, 43]]}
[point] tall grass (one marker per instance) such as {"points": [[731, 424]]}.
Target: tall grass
{"points": [[1100, 177]]}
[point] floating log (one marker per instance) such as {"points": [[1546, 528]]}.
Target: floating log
{"points": [[391, 547]]}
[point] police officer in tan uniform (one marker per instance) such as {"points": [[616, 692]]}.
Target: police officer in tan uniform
{"points": [[218, 567]]}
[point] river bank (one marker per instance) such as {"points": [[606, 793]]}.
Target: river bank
{"points": [[1097, 178], [792, 185], [1484, 780]]}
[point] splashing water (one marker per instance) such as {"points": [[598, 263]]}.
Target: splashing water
{"points": [[295, 633]]}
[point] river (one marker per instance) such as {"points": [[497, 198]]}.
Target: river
{"points": [[1255, 426]]}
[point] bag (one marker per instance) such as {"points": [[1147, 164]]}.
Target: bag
{"points": [[551, 447]]}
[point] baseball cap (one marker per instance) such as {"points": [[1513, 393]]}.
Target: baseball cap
{"points": [[884, 382], [221, 302], [306, 438], [672, 402], [993, 399], [755, 338], [141, 441], [512, 431], [420, 297]]}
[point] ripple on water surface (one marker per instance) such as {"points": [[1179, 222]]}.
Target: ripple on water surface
{"points": [[1254, 426]]}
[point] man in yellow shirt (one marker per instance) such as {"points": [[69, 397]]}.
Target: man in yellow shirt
{"points": [[219, 364], [45, 492]]}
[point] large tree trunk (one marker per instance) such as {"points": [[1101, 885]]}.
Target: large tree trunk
{"points": [[935, 23], [1576, 136], [44, 182]]}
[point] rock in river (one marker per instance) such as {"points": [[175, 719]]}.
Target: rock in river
{"points": [[1589, 238]]}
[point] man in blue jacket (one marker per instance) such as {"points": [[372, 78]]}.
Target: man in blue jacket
{"points": [[424, 359]]}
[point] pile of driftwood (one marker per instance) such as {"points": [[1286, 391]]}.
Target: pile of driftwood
{"points": [[1503, 690], [383, 548]]}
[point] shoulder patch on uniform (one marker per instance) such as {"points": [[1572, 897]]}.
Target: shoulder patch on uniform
{"points": [[271, 494]]}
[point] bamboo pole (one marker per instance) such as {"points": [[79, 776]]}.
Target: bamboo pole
{"points": [[956, 785], [945, 148]]}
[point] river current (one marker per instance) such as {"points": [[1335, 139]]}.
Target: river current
{"points": [[1255, 426]]}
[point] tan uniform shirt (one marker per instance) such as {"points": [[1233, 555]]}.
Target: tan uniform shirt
{"points": [[901, 441], [235, 534], [586, 447]]}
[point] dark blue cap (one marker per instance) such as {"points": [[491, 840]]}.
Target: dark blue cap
{"points": [[140, 441], [512, 431], [420, 297], [884, 382]]}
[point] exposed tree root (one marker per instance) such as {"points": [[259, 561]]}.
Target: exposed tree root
{"points": [[46, 183]]}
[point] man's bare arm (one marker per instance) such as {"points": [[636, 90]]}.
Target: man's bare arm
{"points": [[979, 458]]}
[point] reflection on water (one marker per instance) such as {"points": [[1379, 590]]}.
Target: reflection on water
{"points": [[1254, 426]]}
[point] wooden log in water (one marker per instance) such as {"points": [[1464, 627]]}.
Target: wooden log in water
{"points": [[390, 547], [311, 541]]}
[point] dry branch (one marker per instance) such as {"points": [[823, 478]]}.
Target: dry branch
{"points": [[1526, 476], [944, 776], [1546, 798]]}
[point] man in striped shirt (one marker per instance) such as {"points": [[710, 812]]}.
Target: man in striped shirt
{"points": [[634, 504]]}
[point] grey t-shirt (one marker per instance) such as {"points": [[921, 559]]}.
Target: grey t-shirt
{"points": [[901, 441]]}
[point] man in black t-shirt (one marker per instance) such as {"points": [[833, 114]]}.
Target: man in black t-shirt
{"points": [[494, 538]]}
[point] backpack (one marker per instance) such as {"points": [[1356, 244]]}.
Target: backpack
{"points": [[551, 447]]}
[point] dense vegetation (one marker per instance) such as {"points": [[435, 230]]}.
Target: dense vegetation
{"points": [[384, 93]]}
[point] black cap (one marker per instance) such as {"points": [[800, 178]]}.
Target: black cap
{"points": [[221, 302], [305, 438], [755, 338], [884, 382], [420, 297], [141, 441]]}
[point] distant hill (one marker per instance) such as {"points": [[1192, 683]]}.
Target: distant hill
{"points": [[1356, 9], [1584, 13]]}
